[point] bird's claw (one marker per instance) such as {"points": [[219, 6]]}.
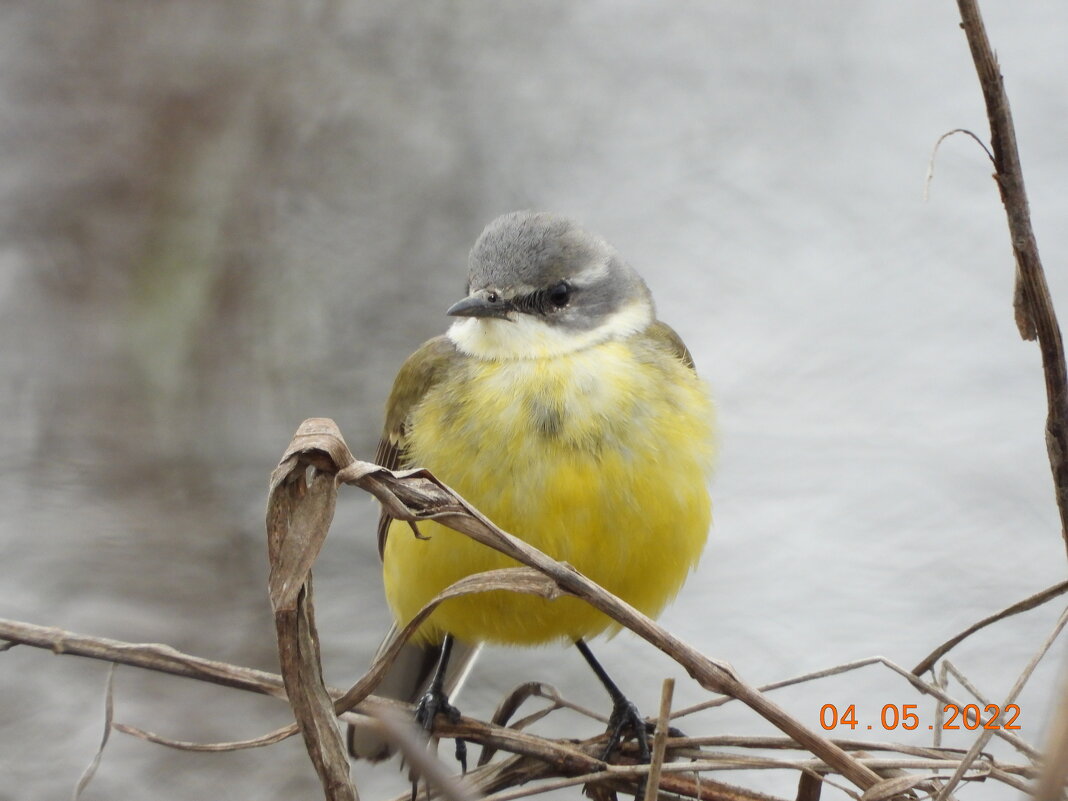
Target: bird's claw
{"points": [[433, 703], [625, 715]]}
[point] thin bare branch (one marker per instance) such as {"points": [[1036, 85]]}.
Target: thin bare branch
{"points": [[1017, 742], [537, 757], [109, 714], [165, 659], [150, 656], [775, 685], [510, 705], [186, 745], [1037, 599], [935, 690], [984, 738], [1035, 316], [550, 693]]}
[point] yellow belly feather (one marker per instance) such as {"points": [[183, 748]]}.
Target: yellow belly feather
{"points": [[599, 458]]}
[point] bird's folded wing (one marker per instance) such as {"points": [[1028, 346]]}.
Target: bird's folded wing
{"points": [[422, 370], [666, 336]]}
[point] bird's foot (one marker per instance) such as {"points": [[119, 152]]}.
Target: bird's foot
{"points": [[433, 703], [626, 718]]}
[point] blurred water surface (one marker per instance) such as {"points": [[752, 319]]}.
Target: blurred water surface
{"points": [[219, 219]]}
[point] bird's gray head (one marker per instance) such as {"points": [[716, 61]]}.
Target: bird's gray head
{"points": [[539, 285]]}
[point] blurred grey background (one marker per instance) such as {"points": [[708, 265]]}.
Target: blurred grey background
{"points": [[219, 219]]}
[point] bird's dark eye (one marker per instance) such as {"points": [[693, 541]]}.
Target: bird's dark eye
{"points": [[560, 294], [491, 297]]}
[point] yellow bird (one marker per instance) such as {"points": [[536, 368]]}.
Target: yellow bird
{"points": [[565, 411]]}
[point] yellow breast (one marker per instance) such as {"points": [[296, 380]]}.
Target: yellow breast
{"points": [[598, 457]]}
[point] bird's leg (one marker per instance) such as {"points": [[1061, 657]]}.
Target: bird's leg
{"points": [[624, 713], [435, 701]]}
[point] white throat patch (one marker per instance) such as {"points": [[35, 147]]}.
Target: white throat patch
{"points": [[529, 338]]}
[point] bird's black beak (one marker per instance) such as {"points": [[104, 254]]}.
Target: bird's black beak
{"points": [[483, 303]]}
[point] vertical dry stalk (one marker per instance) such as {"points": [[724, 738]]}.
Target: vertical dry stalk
{"points": [[663, 720], [300, 508], [1035, 316]]}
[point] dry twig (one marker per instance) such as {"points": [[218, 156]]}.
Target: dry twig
{"points": [[984, 737], [1033, 601], [1035, 316], [663, 721], [536, 760], [109, 714]]}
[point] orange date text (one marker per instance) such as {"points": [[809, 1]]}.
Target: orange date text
{"points": [[904, 716]]}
